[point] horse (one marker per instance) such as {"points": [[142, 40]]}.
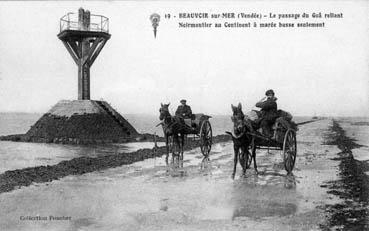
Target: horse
{"points": [[242, 139], [173, 128]]}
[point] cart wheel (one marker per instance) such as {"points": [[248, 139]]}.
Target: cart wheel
{"points": [[289, 150], [206, 136]]}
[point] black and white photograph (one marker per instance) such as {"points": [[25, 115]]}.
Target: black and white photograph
{"points": [[184, 115]]}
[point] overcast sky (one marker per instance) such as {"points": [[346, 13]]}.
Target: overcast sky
{"points": [[313, 71]]}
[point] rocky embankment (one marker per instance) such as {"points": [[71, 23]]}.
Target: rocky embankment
{"points": [[352, 187], [14, 179]]}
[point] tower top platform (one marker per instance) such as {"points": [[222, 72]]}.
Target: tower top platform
{"points": [[77, 34], [83, 24]]}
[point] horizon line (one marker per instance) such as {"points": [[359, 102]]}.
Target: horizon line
{"points": [[149, 114]]}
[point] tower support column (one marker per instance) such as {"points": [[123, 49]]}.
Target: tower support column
{"points": [[84, 71], [83, 82], [84, 43]]}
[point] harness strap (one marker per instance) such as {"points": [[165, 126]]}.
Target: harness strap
{"points": [[168, 125], [263, 137]]}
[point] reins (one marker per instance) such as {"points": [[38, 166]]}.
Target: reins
{"points": [[165, 125]]}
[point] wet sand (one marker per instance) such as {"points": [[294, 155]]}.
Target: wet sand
{"points": [[13, 179], [327, 191], [200, 195]]}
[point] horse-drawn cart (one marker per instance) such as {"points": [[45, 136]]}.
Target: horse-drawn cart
{"points": [[247, 138], [176, 127], [284, 139], [202, 132]]}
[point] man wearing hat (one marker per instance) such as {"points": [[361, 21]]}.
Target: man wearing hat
{"points": [[184, 111], [268, 112]]}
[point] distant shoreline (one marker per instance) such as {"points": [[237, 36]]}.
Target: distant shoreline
{"points": [[216, 115]]}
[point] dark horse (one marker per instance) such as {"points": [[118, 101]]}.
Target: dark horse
{"points": [[242, 139], [173, 128]]}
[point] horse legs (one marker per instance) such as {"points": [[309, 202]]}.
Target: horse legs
{"points": [[167, 146], [245, 159], [236, 149], [176, 143], [254, 158], [182, 144]]}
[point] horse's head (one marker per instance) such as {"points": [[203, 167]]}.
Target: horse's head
{"points": [[164, 111], [238, 119]]}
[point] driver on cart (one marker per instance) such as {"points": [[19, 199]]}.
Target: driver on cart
{"points": [[268, 112], [184, 111]]}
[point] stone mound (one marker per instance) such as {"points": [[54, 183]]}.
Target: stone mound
{"points": [[81, 122]]}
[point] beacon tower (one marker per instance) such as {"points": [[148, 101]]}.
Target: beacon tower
{"points": [[84, 40], [82, 121]]}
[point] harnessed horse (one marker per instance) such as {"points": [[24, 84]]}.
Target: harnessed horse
{"points": [[172, 127], [241, 139]]}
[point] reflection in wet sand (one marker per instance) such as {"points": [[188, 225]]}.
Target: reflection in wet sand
{"points": [[290, 181], [205, 163], [265, 209], [253, 198], [175, 166]]}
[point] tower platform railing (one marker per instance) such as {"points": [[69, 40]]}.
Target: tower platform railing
{"points": [[97, 23]]}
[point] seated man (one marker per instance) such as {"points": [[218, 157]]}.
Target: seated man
{"points": [[268, 112], [184, 111]]}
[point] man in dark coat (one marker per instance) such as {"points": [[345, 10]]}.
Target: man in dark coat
{"points": [[184, 110], [268, 112]]}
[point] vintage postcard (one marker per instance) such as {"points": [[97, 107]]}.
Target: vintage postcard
{"points": [[184, 115]]}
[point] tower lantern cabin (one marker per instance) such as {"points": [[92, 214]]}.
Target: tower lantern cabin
{"points": [[84, 35]]}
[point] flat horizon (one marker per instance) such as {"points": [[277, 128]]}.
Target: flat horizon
{"points": [[148, 114]]}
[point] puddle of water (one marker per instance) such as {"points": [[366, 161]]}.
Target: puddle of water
{"points": [[361, 154], [265, 209], [214, 212], [18, 155]]}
